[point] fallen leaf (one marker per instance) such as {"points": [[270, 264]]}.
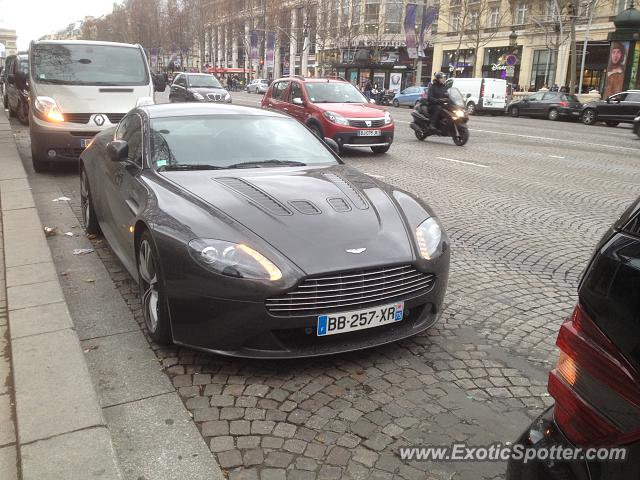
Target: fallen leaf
{"points": [[91, 236]]}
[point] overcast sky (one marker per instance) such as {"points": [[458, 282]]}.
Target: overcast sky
{"points": [[34, 18]]}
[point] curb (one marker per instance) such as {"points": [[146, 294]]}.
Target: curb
{"points": [[61, 430]]}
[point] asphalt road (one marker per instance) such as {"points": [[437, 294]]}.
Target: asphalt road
{"points": [[524, 203]]}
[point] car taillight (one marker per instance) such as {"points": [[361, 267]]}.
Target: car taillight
{"points": [[597, 391], [563, 104]]}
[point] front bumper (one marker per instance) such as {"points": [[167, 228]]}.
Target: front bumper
{"points": [[351, 139], [64, 139]]}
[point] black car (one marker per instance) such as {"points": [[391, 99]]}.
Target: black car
{"points": [[197, 87], [596, 382], [249, 237], [622, 107], [16, 88], [550, 105]]}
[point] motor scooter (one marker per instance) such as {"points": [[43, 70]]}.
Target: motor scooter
{"points": [[452, 123]]}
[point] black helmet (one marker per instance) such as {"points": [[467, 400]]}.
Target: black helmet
{"points": [[439, 76]]}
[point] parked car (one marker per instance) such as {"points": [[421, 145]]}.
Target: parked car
{"points": [[229, 204], [198, 87], [410, 96], [333, 108], [259, 85], [550, 105], [619, 108], [487, 95], [596, 382], [16, 86], [78, 88]]}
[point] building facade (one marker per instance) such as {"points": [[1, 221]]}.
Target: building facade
{"points": [[8, 39], [526, 42]]}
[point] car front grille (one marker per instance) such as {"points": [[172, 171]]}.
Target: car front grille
{"points": [[351, 290], [373, 123], [85, 117]]}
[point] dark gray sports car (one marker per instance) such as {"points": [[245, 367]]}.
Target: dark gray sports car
{"points": [[249, 237]]}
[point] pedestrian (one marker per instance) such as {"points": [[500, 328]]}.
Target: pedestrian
{"points": [[555, 87], [367, 89]]}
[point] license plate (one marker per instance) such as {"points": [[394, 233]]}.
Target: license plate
{"points": [[368, 133], [575, 113], [84, 142], [359, 319]]}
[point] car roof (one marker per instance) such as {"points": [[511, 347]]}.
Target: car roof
{"points": [[84, 42], [312, 80], [163, 110]]}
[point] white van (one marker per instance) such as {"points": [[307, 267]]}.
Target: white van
{"points": [[482, 94], [77, 89]]}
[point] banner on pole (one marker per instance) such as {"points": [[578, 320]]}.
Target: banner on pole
{"points": [[429, 15], [271, 44], [410, 30], [254, 48]]}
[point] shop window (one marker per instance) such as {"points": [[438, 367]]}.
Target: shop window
{"points": [[543, 69]]}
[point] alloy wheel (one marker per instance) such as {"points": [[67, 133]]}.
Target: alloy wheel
{"points": [[589, 117], [149, 281]]}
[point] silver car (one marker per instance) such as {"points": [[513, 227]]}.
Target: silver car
{"points": [[259, 85]]}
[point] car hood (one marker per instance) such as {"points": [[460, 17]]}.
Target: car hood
{"points": [[311, 215], [205, 90], [353, 110]]}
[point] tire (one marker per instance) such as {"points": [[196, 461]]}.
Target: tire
{"points": [[396, 103], [612, 124], [316, 129], [514, 112], [420, 135], [589, 116], [463, 137], [39, 164], [552, 114], [152, 291], [380, 150], [89, 217], [471, 108], [23, 112]]}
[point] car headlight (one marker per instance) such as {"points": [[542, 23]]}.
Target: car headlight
{"points": [[233, 259], [428, 235], [387, 118], [227, 97], [459, 113], [197, 96], [48, 109], [336, 118]]}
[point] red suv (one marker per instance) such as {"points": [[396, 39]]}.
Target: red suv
{"points": [[332, 108]]}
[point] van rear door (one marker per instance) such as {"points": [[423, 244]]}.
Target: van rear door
{"points": [[495, 93]]}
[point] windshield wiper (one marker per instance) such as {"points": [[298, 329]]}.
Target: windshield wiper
{"points": [[268, 163], [189, 166]]}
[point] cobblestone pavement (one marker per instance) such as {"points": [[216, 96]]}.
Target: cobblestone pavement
{"points": [[524, 204]]}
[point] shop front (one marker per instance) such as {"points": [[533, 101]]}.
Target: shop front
{"points": [[595, 65], [458, 63], [502, 62]]}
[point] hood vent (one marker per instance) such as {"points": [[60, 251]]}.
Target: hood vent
{"points": [[340, 205], [349, 190], [306, 207], [255, 195]]}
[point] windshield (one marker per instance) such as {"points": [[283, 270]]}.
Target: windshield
{"points": [[71, 64], [456, 97], [227, 140], [204, 81], [333, 92]]}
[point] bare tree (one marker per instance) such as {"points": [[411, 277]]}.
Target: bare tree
{"points": [[484, 20]]}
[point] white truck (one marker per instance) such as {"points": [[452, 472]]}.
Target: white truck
{"points": [[481, 94]]}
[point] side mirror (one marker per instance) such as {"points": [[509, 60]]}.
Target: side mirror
{"points": [[20, 79], [117, 150], [333, 145], [159, 83], [298, 101]]}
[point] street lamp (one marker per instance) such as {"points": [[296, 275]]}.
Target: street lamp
{"points": [[513, 37]]}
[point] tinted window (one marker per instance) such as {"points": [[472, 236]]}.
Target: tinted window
{"points": [[333, 92], [279, 89], [550, 97], [536, 97], [633, 97], [411, 90], [89, 65], [223, 140], [180, 80], [619, 97], [130, 130], [296, 91]]}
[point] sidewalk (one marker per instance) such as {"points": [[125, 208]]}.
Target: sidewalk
{"points": [[51, 423]]}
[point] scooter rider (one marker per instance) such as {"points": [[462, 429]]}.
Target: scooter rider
{"points": [[434, 97]]}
